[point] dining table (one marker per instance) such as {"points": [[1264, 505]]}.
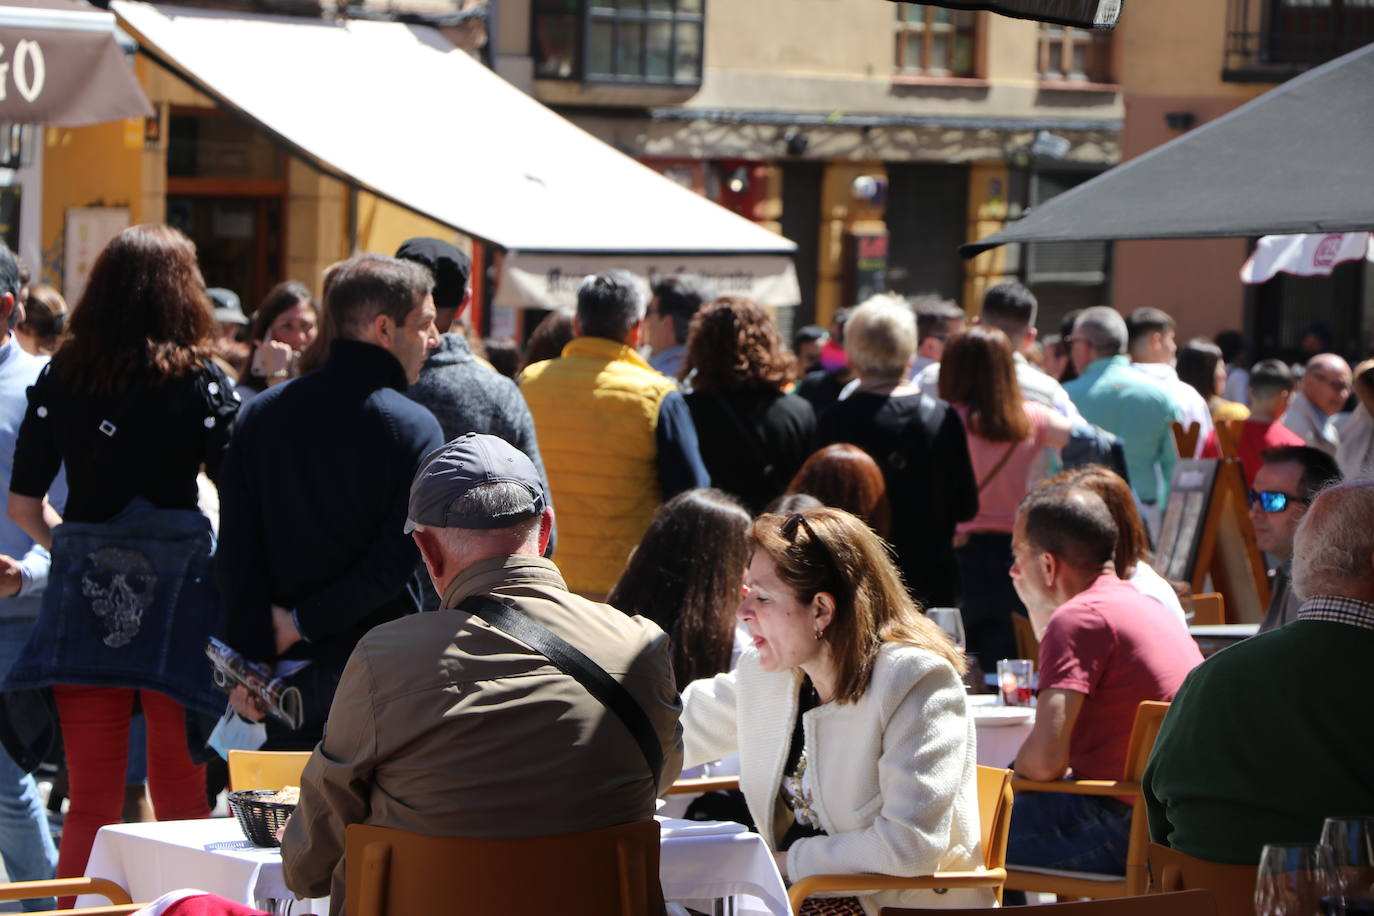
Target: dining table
{"points": [[1212, 638], [1001, 730], [708, 866]]}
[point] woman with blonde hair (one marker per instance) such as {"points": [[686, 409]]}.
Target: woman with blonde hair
{"points": [[917, 442], [857, 753], [1006, 436]]}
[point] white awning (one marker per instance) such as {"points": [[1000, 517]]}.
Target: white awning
{"points": [[397, 110]]}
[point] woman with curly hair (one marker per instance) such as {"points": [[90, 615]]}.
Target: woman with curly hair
{"points": [[753, 437]]}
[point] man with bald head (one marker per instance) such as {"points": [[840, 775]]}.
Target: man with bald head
{"points": [[1266, 739], [1104, 648], [1322, 394]]}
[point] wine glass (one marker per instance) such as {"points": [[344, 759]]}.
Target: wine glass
{"points": [[951, 621], [1349, 854], [1291, 881]]}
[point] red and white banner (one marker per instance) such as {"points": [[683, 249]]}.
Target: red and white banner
{"points": [[1305, 255]]}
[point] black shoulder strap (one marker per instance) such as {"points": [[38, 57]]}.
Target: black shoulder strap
{"points": [[606, 689]]}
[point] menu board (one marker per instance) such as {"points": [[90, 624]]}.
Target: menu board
{"points": [[1185, 515]]}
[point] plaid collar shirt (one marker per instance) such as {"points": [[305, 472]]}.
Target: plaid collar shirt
{"points": [[1338, 609]]}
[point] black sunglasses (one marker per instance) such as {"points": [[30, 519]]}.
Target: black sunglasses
{"points": [[789, 530], [1271, 501]]}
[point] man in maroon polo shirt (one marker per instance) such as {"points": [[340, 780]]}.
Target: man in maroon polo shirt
{"points": [[1104, 648]]}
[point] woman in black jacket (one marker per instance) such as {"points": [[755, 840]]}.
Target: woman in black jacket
{"points": [[132, 406], [753, 437]]}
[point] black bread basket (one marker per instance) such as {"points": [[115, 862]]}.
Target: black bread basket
{"points": [[259, 817]]}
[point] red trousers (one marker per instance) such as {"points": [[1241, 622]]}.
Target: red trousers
{"points": [[95, 731]]}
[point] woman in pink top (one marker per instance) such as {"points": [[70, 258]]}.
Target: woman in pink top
{"points": [[1006, 434]]}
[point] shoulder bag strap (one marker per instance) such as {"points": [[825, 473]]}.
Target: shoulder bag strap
{"points": [[606, 689], [1001, 463]]}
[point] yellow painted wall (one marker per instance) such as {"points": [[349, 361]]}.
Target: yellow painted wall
{"points": [[100, 165], [1175, 47], [841, 212], [383, 226]]}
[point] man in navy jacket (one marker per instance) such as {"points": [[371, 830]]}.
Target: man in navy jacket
{"points": [[313, 492]]}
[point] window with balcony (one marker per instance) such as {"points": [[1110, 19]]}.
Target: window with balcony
{"points": [[641, 42], [1271, 40], [936, 42], [1069, 55]]}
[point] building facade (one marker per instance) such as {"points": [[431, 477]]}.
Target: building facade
{"points": [[1184, 63], [877, 136]]}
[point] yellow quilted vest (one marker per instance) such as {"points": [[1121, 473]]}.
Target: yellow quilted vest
{"points": [[596, 416]]}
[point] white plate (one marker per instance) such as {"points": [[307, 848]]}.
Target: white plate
{"points": [[1001, 716]]}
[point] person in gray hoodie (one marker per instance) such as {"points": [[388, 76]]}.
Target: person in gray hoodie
{"points": [[463, 392]]}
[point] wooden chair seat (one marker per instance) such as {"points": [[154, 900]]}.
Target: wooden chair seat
{"points": [[1233, 886], [1149, 716], [120, 904], [266, 769], [994, 813], [1187, 903], [607, 872]]}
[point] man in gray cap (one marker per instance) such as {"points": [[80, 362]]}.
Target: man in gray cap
{"points": [[445, 724], [465, 394]]}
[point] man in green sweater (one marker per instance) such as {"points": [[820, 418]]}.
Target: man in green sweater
{"points": [[1269, 737]]}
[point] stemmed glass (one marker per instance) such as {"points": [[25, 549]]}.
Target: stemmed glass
{"points": [[951, 621], [1291, 881], [1348, 852]]}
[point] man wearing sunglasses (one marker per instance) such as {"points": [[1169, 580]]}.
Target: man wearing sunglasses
{"points": [[1322, 393], [1284, 487]]}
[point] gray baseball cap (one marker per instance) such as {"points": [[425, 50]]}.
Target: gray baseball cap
{"points": [[471, 460]]}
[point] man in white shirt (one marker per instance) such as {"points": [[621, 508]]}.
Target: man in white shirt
{"points": [[1322, 394], [1152, 347], [1011, 308], [937, 320]]}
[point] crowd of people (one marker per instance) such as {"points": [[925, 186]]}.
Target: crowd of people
{"points": [[742, 534]]}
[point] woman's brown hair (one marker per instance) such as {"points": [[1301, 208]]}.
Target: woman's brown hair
{"points": [[843, 476], [1132, 544], [733, 345], [285, 295], [978, 370], [685, 576], [143, 318], [829, 550]]}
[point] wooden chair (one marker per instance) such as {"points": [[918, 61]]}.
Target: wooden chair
{"points": [[607, 872], [699, 784], [994, 814], [1148, 718], [1209, 609], [1027, 646], [72, 887], [1187, 903], [1233, 886], [265, 769]]}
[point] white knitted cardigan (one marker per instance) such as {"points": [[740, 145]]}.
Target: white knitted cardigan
{"points": [[892, 777]]}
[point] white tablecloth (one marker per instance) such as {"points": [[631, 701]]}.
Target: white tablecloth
{"points": [[997, 741], [698, 862]]}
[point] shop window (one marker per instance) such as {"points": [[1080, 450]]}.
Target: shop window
{"points": [[1074, 55], [653, 42], [934, 41], [214, 144]]}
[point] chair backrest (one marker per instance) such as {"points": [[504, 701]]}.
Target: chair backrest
{"points": [[1233, 886], [1209, 609], [1027, 646], [265, 769], [994, 814], [1186, 903], [1149, 716], [608, 872]]}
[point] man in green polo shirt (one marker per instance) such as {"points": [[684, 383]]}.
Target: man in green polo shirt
{"points": [[1266, 739], [1112, 395]]}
